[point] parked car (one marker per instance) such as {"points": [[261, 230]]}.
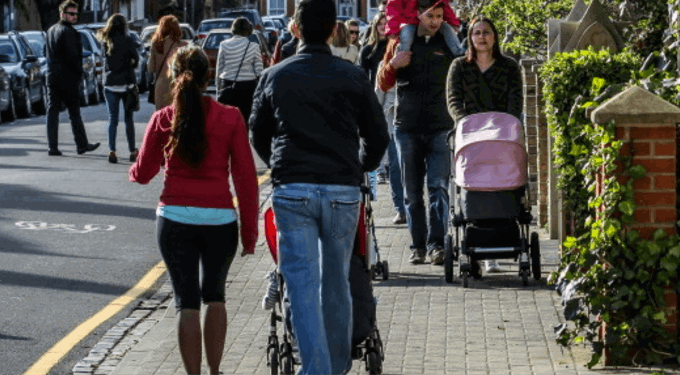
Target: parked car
{"points": [[188, 34], [7, 110], [211, 45], [140, 69], [212, 23], [92, 45], [27, 82], [251, 14], [271, 31], [279, 22]]}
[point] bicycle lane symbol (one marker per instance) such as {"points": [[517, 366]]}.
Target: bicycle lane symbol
{"points": [[66, 228]]}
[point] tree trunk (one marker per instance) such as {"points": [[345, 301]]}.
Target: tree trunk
{"points": [[28, 15]]}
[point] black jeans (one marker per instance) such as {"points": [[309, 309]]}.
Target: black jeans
{"points": [[56, 98], [184, 247]]}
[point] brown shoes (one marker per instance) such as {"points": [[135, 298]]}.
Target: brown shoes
{"points": [[133, 155], [113, 159]]}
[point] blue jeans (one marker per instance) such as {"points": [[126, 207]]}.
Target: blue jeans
{"points": [[408, 33], [396, 186], [113, 100], [421, 156], [316, 231]]}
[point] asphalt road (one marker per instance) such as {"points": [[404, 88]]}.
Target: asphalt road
{"points": [[74, 235]]}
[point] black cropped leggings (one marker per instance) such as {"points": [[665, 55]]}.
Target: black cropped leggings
{"points": [[184, 247]]}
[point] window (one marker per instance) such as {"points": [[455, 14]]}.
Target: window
{"points": [[214, 40], [8, 52], [277, 7]]}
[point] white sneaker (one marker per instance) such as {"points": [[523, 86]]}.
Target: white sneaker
{"points": [[492, 266]]}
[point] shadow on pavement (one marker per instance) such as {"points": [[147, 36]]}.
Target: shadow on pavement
{"points": [[48, 282], [26, 198], [15, 338], [13, 246]]}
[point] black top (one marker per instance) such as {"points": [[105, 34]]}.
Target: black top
{"points": [[121, 61], [315, 119], [498, 89], [421, 87], [370, 57], [64, 52]]}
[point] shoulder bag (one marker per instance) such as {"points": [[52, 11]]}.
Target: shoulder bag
{"points": [[152, 85]]}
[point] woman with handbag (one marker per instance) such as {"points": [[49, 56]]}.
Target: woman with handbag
{"points": [[203, 146], [119, 80], [165, 42], [238, 68]]}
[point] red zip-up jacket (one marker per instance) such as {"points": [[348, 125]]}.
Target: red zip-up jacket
{"points": [[398, 12], [227, 153]]}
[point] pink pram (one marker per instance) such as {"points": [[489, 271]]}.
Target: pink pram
{"points": [[488, 195]]}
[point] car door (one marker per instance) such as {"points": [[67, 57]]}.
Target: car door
{"points": [[31, 66]]}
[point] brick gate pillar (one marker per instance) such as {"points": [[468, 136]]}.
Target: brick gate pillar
{"points": [[648, 127]]}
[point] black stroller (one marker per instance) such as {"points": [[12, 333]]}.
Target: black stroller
{"points": [[489, 204], [365, 264]]}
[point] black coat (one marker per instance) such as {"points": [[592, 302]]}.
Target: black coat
{"points": [[64, 52], [370, 57], [121, 61], [316, 119]]}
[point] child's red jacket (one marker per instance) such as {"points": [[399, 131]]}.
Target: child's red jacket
{"points": [[399, 12]]}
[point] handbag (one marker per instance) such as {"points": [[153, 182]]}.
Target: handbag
{"points": [[152, 86], [132, 99], [228, 94]]}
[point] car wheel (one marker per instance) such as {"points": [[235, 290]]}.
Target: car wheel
{"points": [[84, 95], [26, 108], [94, 97], [10, 113], [41, 106]]}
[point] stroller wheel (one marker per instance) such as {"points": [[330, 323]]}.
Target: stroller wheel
{"points": [[535, 256], [525, 277], [287, 366], [371, 272], [476, 270], [448, 259], [373, 363], [273, 356], [464, 276], [385, 270]]}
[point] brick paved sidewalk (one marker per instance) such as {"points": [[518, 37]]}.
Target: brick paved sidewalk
{"points": [[496, 326]]}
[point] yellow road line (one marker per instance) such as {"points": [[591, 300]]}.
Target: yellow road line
{"points": [[60, 349], [65, 345]]}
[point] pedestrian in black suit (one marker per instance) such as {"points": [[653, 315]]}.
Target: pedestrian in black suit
{"points": [[64, 74]]}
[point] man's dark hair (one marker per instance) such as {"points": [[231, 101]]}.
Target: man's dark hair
{"points": [[316, 20], [424, 5], [67, 4]]}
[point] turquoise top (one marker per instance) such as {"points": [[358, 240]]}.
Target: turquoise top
{"points": [[197, 215]]}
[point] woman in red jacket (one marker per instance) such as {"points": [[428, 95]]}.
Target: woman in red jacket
{"points": [[403, 19], [199, 141]]}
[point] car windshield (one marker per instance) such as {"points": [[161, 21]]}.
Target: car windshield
{"points": [[148, 34], [36, 44], [207, 26], [8, 52], [86, 42], [213, 40]]}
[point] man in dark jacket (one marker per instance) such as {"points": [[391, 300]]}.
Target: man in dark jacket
{"points": [[64, 74], [421, 126], [318, 125]]}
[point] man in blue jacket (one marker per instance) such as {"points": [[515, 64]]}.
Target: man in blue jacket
{"points": [[318, 125], [64, 53]]}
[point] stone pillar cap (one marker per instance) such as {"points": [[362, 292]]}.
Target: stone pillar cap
{"points": [[636, 105]]}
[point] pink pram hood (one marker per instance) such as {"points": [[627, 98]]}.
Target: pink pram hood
{"points": [[490, 152]]}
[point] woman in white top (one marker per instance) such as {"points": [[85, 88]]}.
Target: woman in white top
{"points": [[341, 46], [239, 65]]}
